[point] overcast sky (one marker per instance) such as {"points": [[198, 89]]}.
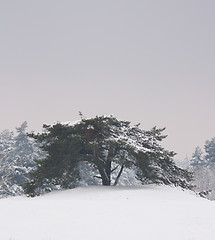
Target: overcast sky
{"points": [[149, 62]]}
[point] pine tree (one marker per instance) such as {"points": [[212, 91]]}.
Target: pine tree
{"points": [[210, 150], [204, 169], [197, 157], [108, 146], [17, 162], [6, 142]]}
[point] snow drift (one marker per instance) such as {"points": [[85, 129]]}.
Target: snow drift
{"points": [[144, 212]]}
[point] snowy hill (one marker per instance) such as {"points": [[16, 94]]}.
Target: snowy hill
{"points": [[92, 213]]}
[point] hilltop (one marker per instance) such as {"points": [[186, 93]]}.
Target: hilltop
{"points": [[142, 212]]}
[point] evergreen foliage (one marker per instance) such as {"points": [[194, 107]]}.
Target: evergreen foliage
{"points": [[197, 157], [6, 142], [210, 150], [107, 147], [17, 161], [203, 167]]}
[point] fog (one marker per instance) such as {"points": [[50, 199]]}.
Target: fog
{"points": [[149, 62]]}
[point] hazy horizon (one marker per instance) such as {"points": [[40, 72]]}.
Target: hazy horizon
{"points": [[148, 62]]}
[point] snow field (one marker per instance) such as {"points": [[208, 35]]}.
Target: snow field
{"points": [[93, 213]]}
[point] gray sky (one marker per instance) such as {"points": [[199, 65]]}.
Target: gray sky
{"points": [[150, 62]]}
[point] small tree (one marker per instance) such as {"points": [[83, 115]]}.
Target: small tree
{"points": [[108, 146], [197, 157], [210, 150]]}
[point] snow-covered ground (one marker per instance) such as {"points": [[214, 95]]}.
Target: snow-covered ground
{"points": [[91, 213]]}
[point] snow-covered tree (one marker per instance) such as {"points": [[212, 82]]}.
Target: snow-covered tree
{"points": [[210, 150], [203, 167], [6, 142], [17, 162], [204, 180], [107, 147], [197, 157]]}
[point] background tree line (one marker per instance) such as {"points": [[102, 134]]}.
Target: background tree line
{"points": [[202, 163]]}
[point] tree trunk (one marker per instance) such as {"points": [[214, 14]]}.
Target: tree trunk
{"points": [[104, 167], [104, 176], [108, 171]]}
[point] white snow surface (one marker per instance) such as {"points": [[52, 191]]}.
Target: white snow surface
{"points": [[144, 212]]}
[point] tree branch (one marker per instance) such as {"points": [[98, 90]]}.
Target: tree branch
{"points": [[118, 176], [97, 177], [114, 168]]}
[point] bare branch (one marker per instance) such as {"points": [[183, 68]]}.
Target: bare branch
{"points": [[97, 177], [114, 168], [119, 174]]}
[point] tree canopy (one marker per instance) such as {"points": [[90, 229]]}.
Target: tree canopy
{"points": [[108, 146]]}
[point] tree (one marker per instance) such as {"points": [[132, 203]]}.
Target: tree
{"points": [[108, 146], [6, 142], [210, 150], [203, 168], [197, 157], [17, 162]]}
